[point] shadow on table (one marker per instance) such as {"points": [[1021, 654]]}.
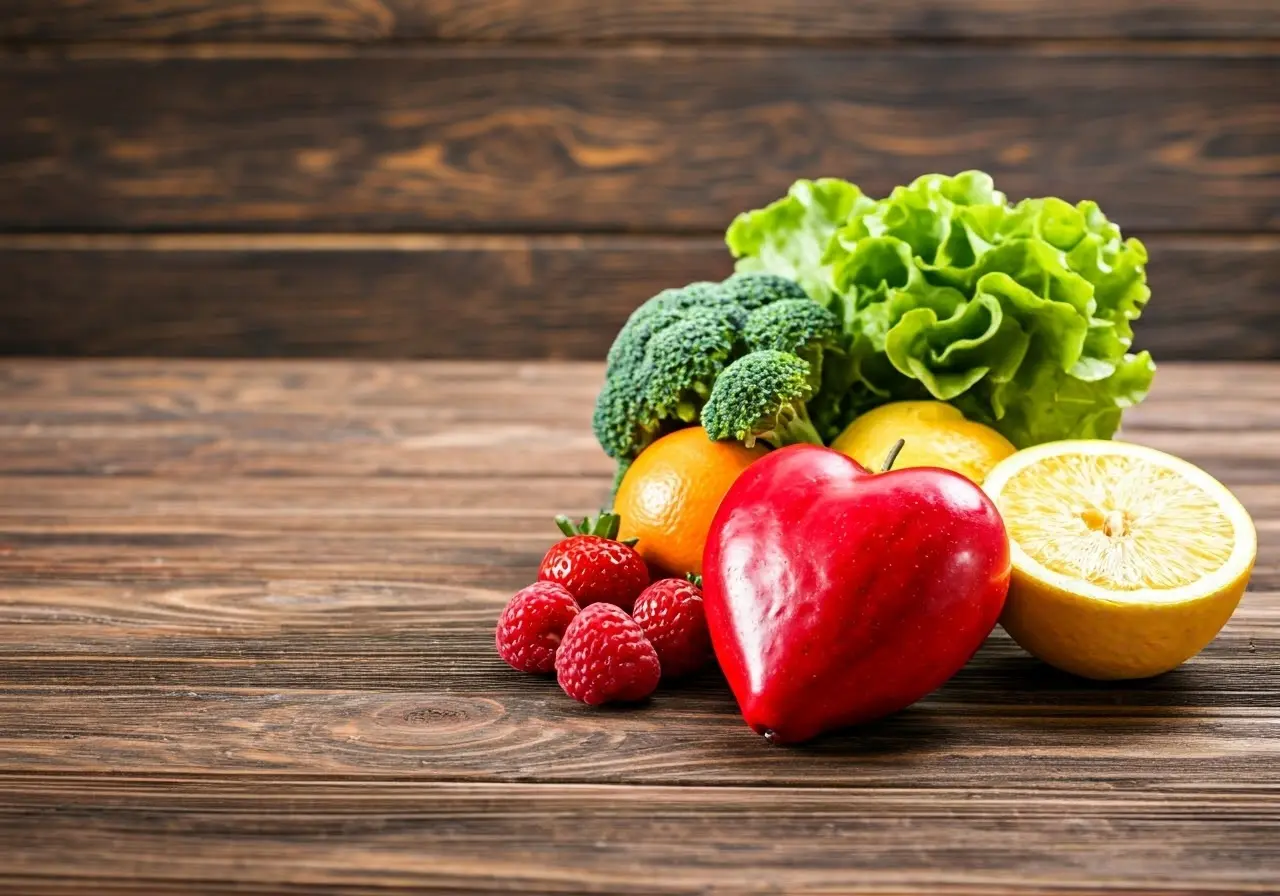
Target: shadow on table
{"points": [[1015, 699], [1005, 696]]}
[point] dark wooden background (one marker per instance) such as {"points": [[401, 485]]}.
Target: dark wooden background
{"points": [[508, 178]]}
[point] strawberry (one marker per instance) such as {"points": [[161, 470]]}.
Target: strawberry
{"points": [[605, 656], [593, 565], [532, 625], [671, 613]]}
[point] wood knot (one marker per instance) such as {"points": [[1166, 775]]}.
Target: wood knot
{"points": [[427, 715]]}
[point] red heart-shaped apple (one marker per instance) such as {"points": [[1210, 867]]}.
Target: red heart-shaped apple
{"points": [[836, 596]]}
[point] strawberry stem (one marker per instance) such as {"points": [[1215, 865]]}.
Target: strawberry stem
{"points": [[605, 525]]}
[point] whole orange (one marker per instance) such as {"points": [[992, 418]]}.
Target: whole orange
{"points": [[669, 496]]}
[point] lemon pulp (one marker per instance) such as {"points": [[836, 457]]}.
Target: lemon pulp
{"points": [[1126, 561], [1117, 522]]}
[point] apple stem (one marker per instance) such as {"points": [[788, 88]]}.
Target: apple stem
{"points": [[893, 455]]}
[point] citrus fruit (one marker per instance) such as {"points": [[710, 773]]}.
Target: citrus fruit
{"points": [[1126, 560], [670, 494], [935, 433]]}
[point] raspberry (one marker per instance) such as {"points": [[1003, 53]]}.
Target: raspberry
{"points": [[671, 613], [605, 656], [532, 625], [596, 569]]}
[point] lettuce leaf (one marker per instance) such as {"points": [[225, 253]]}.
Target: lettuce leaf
{"points": [[1020, 314], [788, 237]]}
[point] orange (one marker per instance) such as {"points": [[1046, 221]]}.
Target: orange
{"points": [[669, 496]]}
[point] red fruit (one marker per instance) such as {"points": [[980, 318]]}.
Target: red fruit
{"points": [[836, 596], [533, 624], [605, 656], [673, 618], [593, 566]]}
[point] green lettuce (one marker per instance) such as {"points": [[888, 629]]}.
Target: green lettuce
{"points": [[789, 237], [1020, 314]]}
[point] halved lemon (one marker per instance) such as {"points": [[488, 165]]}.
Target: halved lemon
{"points": [[1126, 561]]}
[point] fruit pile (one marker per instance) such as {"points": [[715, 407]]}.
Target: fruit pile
{"points": [[595, 619], [888, 432]]}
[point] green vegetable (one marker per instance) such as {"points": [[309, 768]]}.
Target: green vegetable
{"points": [[790, 236], [683, 360], [762, 396], [666, 360], [799, 326], [660, 371], [752, 291], [1019, 315]]}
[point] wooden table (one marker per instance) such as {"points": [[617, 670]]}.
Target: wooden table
{"points": [[246, 618]]}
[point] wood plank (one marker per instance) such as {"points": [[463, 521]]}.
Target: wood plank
{"points": [[141, 531], [1212, 299], [270, 418], [613, 20], [377, 297], [469, 837], [467, 297], [322, 439], [312, 418], [409, 696], [479, 511], [623, 139]]}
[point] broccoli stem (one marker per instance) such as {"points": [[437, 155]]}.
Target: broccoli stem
{"points": [[791, 427], [621, 471], [798, 431]]}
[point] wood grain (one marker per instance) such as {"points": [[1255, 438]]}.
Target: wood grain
{"points": [[306, 419], [246, 618], [613, 20], [1212, 299], [174, 533], [417, 696], [468, 837], [619, 139], [469, 297], [174, 418], [459, 297]]}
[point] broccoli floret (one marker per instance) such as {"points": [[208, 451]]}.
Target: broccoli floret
{"points": [[762, 396], [755, 290], [617, 422], [684, 360], [629, 346], [672, 303], [613, 420], [662, 364], [812, 332], [799, 326], [660, 312]]}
